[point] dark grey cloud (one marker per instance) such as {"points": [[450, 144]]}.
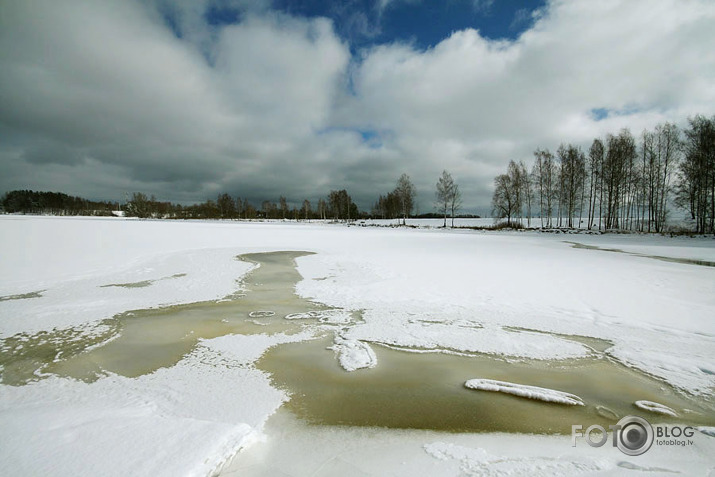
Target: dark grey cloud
{"points": [[105, 98]]}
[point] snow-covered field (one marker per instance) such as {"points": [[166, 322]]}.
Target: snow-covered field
{"points": [[509, 294]]}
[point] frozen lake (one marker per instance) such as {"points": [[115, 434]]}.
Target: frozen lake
{"points": [[153, 329]]}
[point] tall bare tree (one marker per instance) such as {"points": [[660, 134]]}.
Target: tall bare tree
{"points": [[515, 175], [665, 156], [617, 168], [695, 190], [448, 196], [595, 166], [283, 203], [445, 183], [545, 173], [405, 192], [455, 202], [527, 190], [306, 209], [572, 179], [505, 198], [322, 209]]}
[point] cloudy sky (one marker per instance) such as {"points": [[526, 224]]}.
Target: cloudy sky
{"points": [[186, 99]]}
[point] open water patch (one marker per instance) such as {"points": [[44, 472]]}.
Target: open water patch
{"points": [[409, 390]]}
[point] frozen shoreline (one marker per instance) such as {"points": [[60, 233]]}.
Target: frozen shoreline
{"points": [[428, 288]]}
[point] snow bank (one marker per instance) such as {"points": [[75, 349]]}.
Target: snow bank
{"points": [[354, 354], [655, 407], [522, 390]]}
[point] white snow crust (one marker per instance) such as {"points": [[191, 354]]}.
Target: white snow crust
{"points": [[332, 317], [525, 391], [354, 354], [433, 332], [655, 407]]}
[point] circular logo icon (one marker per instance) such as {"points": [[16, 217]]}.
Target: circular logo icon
{"points": [[635, 435]]}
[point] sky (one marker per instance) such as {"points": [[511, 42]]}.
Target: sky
{"points": [[186, 99]]}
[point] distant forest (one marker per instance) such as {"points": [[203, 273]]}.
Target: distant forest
{"points": [[337, 206], [54, 203], [621, 183]]}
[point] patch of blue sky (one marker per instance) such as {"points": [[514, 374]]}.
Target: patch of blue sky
{"points": [[427, 23], [217, 15], [364, 23], [600, 114], [370, 137]]}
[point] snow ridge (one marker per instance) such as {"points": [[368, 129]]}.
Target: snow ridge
{"points": [[522, 390], [656, 408]]}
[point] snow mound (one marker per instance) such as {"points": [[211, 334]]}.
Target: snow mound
{"points": [[522, 390], [334, 317], [261, 313], [354, 354], [656, 408], [708, 431]]}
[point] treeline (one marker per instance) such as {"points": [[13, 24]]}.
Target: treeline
{"points": [[54, 203], [338, 205], [620, 183]]}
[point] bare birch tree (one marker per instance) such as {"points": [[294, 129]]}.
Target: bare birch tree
{"points": [[405, 192], [443, 194]]}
